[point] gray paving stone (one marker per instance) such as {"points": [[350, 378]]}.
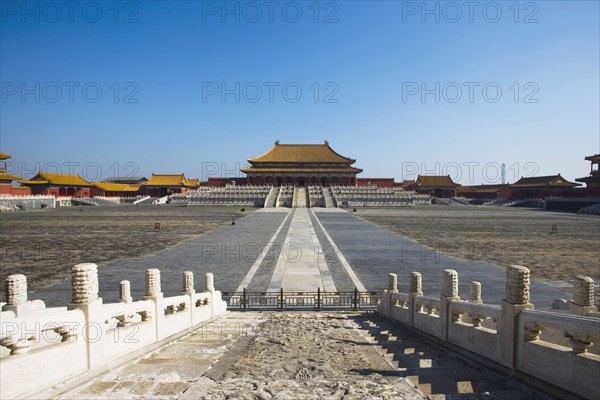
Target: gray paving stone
{"points": [[227, 252], [373, 252]]}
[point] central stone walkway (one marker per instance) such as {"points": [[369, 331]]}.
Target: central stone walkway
{"points": [[302, 267]]}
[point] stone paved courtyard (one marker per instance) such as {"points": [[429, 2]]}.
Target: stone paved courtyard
{"points": [[342, 251], [289, 355]]}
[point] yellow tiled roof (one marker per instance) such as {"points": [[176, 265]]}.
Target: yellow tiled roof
{"points": [[542, 181], [481, 188], [116, 187], [306, 170], [9, 177], [4, 156], [435, 181], [43, 178], [167, 180], [299, 153], [193, 182]]}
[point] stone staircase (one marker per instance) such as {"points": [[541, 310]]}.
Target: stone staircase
{"points": [[147, 201], [299, 197], [271, 200], [328, 197], [175, 368], [438, 373]]}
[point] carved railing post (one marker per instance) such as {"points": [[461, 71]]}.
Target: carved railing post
{"points": [[393, 283], [517, 300], [125, 292], [16, 290], [154, 293], [385, 306], [84, 282], [188, 289], [215, 300], [583, 298], [475, 297], [209, 282], [449, 294], [188, 282], [16, 301], [16, 295], [416, 289]]}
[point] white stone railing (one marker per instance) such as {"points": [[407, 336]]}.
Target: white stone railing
{"points": [[25, 196], [44, 347], [508, 336], [558, 364], [141, 199], [27, 202], [114, 199]]}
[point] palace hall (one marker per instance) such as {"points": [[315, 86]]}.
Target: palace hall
{"points": [[303, 165]]}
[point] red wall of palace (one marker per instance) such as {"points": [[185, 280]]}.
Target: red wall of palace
{"points": [[21, 191], [379, 182], [60, 191], [223, 181], [5, 188]]}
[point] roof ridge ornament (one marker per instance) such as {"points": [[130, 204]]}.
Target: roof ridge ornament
{"points": [[327, 142], [277, 142]]}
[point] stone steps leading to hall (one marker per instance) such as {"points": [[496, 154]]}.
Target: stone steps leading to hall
{"points": [[438, 373], [299, 197], [171, 370]]}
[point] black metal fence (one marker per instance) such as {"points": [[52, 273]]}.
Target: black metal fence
{"points": [[286, 300]]}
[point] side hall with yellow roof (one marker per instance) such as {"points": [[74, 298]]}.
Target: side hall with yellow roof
{"points": [[56, 184], [435, 185], [163, 185], [7, 179]]}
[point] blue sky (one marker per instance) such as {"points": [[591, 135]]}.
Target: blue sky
{"points": [[403, 87]]}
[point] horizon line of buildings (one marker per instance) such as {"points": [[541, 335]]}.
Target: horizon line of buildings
{"points": [[296, 164]]}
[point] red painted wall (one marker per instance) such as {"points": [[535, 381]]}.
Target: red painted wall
{"points": [[379, 182], [5, 188], [223, 181]]}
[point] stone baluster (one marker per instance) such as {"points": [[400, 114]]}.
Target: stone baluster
{"points": [[578, 343], [416, 286], [188, 282], [449, 294], [517, 285], [16, 345], [84, 282], [16, 300], [415, 290], [209, 282], [153, 282], [475, 297], [125, 292], [16, 290], [154, 293], [450, 288], [386, 303], [516, 301], [393, 283], [67, 332], [583, 298], [16, 295], [188, 289]]}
